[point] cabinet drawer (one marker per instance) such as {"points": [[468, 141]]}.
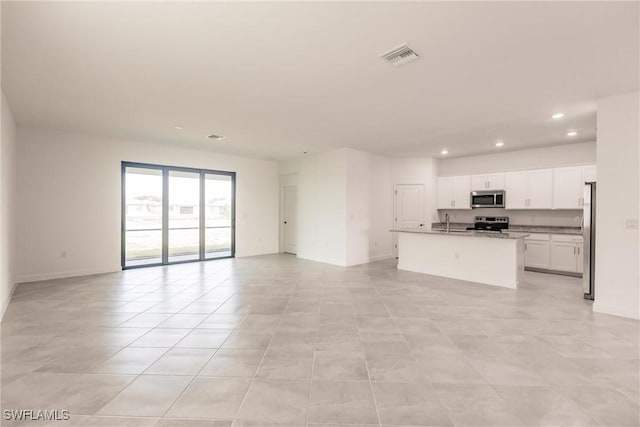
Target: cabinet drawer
{"points": [[537, 236], [566, 238]]}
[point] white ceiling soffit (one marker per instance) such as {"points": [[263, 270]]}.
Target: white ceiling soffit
{"points": [[278, 79]]}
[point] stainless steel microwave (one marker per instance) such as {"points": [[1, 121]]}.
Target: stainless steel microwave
{"points": [[487, 199]]}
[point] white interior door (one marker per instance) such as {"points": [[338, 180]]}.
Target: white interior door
{"points": [[409, 208], [290, 220]]}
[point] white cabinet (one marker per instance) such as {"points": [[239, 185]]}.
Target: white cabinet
{"points": [[529, 189], [493, 181], [568, 186], [566, 253], [559, 252], [454, 192], [536, 251]]}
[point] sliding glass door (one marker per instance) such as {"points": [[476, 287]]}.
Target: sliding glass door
{"points": [[218, 216], [172, 214]]}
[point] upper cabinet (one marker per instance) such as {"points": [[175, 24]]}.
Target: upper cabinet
{"points": [[528, 189], [568, 186], [494, 181], [454, 192], [557, 188]]}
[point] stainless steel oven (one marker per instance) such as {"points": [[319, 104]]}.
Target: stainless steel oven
{"points": [[487, 199]]}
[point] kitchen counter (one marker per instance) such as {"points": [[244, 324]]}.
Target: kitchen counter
{"points": [[546, 229], [490, 258], [468, 233]]}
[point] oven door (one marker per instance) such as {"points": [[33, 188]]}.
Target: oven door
{"points": [[481, 199]]}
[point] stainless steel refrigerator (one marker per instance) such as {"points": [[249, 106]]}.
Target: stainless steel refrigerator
{"points": [[589, 230]]}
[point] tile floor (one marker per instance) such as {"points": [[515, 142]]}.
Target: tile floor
{"points": [[277, 341]]}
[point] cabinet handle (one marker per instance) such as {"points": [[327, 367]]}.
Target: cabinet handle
{"points": [[574, 250], [454, 203], [525, 246], [578, 248]]}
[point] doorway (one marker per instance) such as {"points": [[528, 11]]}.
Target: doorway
{"points": [[408, 209], [172, 214], [290, 219]]}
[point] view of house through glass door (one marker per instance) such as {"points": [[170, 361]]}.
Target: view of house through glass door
{"points": [[172, 214]]}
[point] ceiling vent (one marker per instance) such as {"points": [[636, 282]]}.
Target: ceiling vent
{"points": [[400, 55], [216, 137]]}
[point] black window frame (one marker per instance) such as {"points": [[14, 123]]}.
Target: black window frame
{"points": [[165, 169]]}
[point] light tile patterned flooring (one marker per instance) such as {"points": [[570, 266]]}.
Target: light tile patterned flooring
{"points": [[277, 341]]}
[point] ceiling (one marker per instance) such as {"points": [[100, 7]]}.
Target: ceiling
{"points": [[280, 79]]}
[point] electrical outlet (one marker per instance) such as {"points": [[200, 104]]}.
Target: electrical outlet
{"points": [[631, 224]]}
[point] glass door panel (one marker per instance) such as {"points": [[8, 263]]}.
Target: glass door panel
{"points": [[218, 214], [142, 216], [184, 216]]}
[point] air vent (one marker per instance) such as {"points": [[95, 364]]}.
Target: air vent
{"points": [[216, 137], [400, 55]]}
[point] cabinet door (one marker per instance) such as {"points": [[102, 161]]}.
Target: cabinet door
{"points": [[580, 260], [589, 173], [536, 253], [567, 188], [462, 192], [445, 193], [495, 181], [478, 182], [540, 189], [516, 188], [563, 256]]}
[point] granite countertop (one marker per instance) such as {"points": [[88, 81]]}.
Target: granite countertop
{"points": [[546, 229], [466, 233]]}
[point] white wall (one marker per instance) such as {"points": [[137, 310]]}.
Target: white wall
{"points": [[69, 200], [322, 196], [7, 208], [369, 207], [419, 171], [617, 255], [536, 158], [345, 206]]}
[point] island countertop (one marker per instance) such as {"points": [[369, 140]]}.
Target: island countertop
{"points": [[465, 233]]}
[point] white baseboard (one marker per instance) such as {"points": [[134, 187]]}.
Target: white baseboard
{"points": [[26, 278], [381, 258], [629, 312], [6, 303]]}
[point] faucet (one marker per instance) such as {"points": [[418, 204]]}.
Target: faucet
{"points": [[446, 218]]}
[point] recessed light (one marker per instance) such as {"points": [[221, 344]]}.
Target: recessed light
{"points": [[557, 116], [178, 127], [216, 137], [499, 143], [572, 133], [444, 152]]}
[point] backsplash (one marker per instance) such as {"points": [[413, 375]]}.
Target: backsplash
{"points": [[563, 218]]}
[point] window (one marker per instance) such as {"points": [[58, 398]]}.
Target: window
{"points": [[172, 214]]}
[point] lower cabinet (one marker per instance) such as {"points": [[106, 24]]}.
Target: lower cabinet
{"points": [[536, 249], [566, 253], [558, 252]]}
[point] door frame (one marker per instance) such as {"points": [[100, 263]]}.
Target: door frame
{"points": [[395, 211], [283, 236]]}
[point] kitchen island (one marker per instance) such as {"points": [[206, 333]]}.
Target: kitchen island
{"points": [[490, 258]]}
